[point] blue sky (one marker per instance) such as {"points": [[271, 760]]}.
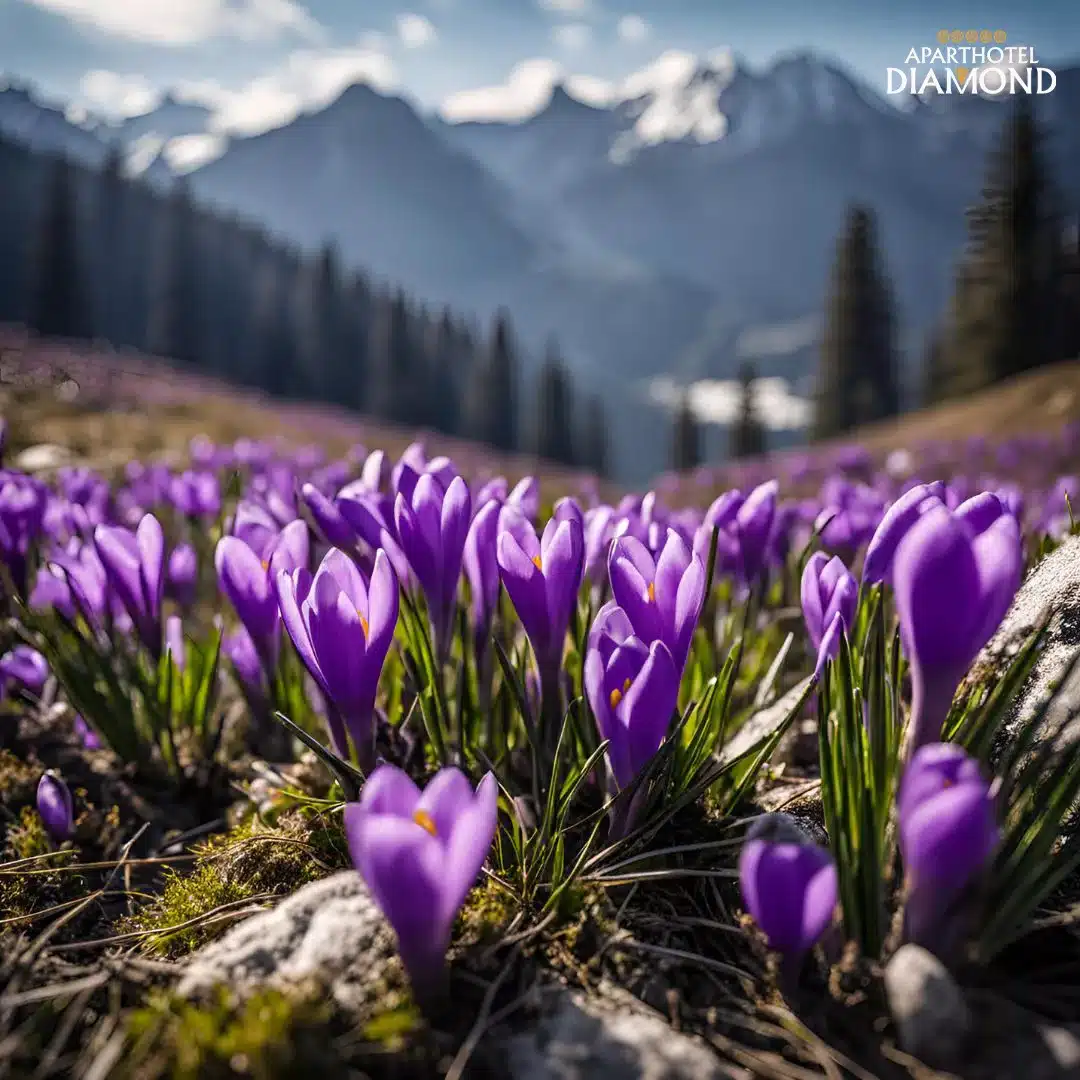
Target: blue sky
{"points": [[258, 60]]}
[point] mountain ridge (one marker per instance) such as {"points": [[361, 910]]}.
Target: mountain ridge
{"points": [[658, 260]]}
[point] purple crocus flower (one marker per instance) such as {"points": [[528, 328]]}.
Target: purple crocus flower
{"points": [[948, 833], [336, 531], [23, 501], [55, 806], [662, 599], [828, 590], [87, 735], [482, 571], [342, 627], [894, 525], [953, 586], [196, 494], [182, 574], [542, 578], [633, 690], [135, 568], [248, 581], [432, 525], [753, 523], [244, 657], [420, 853], [23, 669], [789, 886], [174, 641]]}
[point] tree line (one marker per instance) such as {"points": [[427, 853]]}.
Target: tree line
{"points": [[1015, 306], [94, 254]]}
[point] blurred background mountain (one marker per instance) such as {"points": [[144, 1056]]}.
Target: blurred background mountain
{"points": [[573, 281]]}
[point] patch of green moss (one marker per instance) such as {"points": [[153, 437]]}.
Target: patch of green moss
{"points": [[28, 838], [21, 892], [487, 912], [269, 1035], [18, 779], [249, 862]]}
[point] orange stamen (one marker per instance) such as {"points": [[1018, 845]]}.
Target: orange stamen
{"points": [[423, 819]]}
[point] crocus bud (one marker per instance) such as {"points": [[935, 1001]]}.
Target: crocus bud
{"points": [[753, 523], [894, 526], [90, 738], [55, 807], [335, 529], [948, 832], [420, 853], [633, 690], [23, 669], [953, 586], [828, 590], [134, 565], [432, 523], [182, 574], [789, 885]]}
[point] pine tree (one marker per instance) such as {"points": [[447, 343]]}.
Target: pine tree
{"points": [[393, 381], [57, 303], [442, 404], [109, 256], [318, 316], [934, 376], [857, 378], [1070, 292], [492, 402], [554, 435], [172, 328], [686, 437], [594, 439], [1006, 315], [747, 437]]}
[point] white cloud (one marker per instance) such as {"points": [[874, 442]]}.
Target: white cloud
{"points": [[632, 28], [566, 7], [188, 22], [115, 95], [309, 79], [187, 152], [571, 35], [415, 31]]}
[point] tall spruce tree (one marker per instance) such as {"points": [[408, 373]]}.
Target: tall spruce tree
{"points": [[173, 318], [686, 436], [554, 436], [57, 303], [109, 255], [747, 437], [492, 401], [594, 437], [1006, 314], [933, 376], [857, 378]]}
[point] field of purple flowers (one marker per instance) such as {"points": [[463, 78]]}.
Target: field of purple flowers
{"points": [[367, 764]]}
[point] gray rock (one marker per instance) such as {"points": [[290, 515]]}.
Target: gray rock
{"points": [[42, 458], [1051, 590], [611, 1038], [932, 1018], [330, 931]]}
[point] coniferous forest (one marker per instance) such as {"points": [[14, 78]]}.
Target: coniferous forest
{"points": [[93, 254]]}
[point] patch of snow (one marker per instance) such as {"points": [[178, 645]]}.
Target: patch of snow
{"points": [[716, 401]]}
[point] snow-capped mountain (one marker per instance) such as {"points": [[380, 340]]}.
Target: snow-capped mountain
{"points": [[655, 230]]}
